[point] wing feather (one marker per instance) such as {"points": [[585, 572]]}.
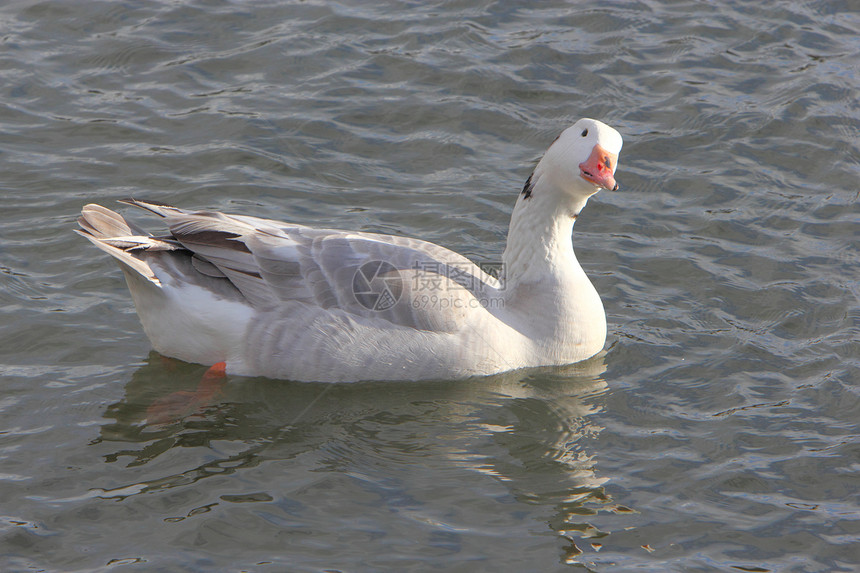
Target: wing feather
{"points": [[273, 263]]}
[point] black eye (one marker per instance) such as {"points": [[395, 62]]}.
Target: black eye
{"points": [[584, 132]]}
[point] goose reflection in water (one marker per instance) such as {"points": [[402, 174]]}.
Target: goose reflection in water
{"points": [[528, 430]]}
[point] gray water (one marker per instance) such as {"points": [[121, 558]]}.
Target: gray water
{"points": [[718, 432]]}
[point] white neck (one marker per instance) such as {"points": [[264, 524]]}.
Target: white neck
{"points": [[546, 289], [539, 237]]}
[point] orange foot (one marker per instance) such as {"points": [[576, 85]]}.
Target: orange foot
{"points": [[179, 405]]}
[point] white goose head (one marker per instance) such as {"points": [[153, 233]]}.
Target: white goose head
{"points": [[580, 162]]}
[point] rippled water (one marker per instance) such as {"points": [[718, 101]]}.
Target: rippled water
{"points": [[719, 430]]}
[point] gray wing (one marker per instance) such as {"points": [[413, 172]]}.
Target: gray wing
{"points": [[365, 274]]}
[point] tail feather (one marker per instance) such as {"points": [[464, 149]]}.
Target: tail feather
{"points": [[124, 241], [101, 222]]}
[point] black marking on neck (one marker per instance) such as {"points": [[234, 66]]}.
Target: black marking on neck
{"points": [[527, 188]]}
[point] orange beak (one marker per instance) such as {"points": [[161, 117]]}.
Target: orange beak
{"points": [[599, 168]]}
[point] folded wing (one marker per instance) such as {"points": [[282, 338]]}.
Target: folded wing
{"points": [[272, 263]]}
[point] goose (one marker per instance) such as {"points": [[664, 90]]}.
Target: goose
{"points": [[282, 300]]}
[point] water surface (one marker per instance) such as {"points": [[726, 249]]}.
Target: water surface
{"points": [[717, 432]]}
